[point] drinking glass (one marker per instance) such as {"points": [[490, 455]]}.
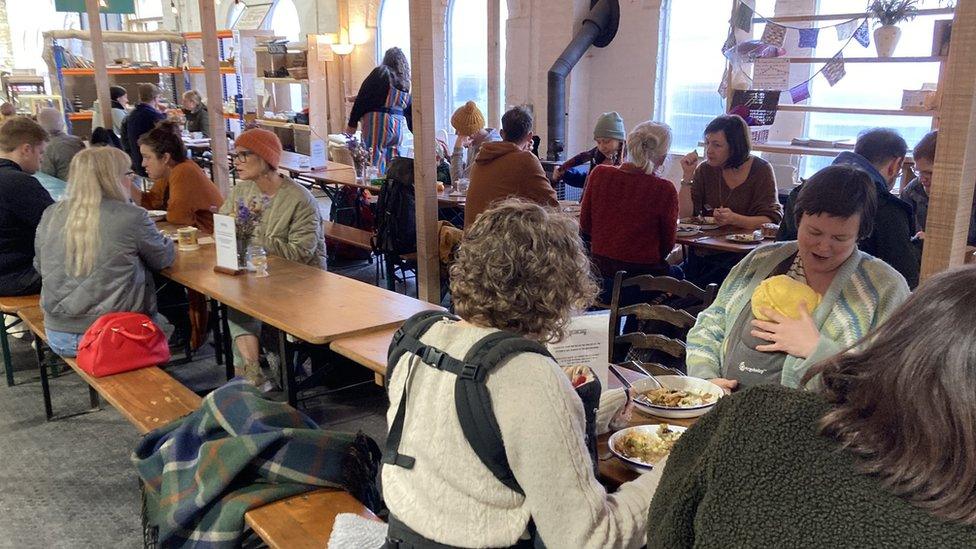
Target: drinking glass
{"points": [[258, 258]]}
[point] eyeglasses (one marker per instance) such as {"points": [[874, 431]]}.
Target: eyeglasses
{"points": [[130, 173], [919, 173], [241, 156]]}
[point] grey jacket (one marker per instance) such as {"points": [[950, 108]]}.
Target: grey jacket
{"points": [[130, 247], [57, 156]]}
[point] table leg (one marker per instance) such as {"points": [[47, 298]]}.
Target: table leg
{"points": [[227, 343], [390, 263], [287, 372], [45, 388], [218, 343], [8, 367]]}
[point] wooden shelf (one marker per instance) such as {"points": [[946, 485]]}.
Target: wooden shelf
{"points": [[232, 116], [854, 110], [121, 72], [929, 59], [280, 124], [199, 35], [840, 16], [85, 115], [786, 148], [285, 80]]}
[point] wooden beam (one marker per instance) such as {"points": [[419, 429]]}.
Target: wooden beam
{"points": [[495, 75], [98, 56], [215, 95], [951, 198], [425, 165]]}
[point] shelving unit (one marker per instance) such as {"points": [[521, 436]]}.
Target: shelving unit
{"points": [[230, 87]]}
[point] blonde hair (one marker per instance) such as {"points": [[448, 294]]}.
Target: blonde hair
{"points": [[95, 174], [648, 145], [194, 95], [522, 268]]}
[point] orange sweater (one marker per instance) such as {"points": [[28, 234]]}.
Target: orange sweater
{"points": [[187, 195], [503, 170]]}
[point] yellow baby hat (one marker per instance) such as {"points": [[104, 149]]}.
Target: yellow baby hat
{"points": [[467, 119], [783, 295]]}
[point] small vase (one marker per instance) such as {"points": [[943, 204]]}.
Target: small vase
{"points": [[886, 39], [242, 244]]}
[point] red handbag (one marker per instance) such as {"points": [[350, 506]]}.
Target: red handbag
{"points": [[119, 342]]}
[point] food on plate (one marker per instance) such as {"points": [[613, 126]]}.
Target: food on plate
{"points": [[783, 295], [698, 220], [578, 375], [676, 398], [769, 230], [745, 237], [648, 447]]}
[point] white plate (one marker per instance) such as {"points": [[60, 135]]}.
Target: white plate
{"points": [[688, 230], [744, 237], [681, 383], [635, 464], [157, 215], [708, 225]]}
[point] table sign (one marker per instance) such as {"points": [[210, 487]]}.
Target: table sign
{"points": [[225, 238], [318, 150], [587, 343]]}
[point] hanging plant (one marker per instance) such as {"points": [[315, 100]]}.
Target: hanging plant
{"points": [[892, 12]]}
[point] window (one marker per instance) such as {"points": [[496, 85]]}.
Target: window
{"points": [[284, 20], [693, 65], [468, 52], [393, 27], [871, 85]]}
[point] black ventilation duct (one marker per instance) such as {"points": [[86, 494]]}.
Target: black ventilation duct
{"points": [[598, 29]]}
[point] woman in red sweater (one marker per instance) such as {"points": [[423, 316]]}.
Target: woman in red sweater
{"points": [[629, 215]]}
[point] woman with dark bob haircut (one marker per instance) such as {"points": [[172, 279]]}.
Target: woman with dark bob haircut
{"points": [[522, 269], [884, 455], [847, 291]]}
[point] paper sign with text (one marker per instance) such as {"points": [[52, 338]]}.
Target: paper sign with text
{"points": [[586, 343], [318, 150], [771, 74], [225, 238]]}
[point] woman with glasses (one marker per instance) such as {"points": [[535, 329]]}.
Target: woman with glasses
{"points": [[95, 250], [290, 227]]}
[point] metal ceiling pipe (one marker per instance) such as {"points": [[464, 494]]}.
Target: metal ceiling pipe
{"points": [[598, 29]]}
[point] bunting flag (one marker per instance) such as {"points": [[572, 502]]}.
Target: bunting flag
{"points": [[808, 37], [800, 92], [729, 42], [723, 86], [834, 70], [846, 30], [861, 34], [773, 34], [743, 17]]}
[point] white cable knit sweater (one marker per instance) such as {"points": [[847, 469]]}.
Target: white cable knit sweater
{"points": [[451, 497]]}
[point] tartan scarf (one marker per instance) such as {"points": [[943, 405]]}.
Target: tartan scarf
{"points": [[239, 451]]}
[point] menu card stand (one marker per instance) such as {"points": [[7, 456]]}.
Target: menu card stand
{"points": [[225, 240]]}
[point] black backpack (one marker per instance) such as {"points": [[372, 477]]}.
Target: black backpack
{"points": [[396, 217], [471, 399]]}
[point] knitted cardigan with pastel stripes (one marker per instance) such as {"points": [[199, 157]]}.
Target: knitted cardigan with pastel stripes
{"points": [[865, 291]]}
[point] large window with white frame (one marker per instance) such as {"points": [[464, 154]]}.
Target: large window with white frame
{"points": [[468, 53], [393, 27]]}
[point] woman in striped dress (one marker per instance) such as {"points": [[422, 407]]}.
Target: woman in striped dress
{"points": [[383, 107]]}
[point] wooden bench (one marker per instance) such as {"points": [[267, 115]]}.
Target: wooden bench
{"points": [[350, 236], [369, 349], [150, 398], [10, 306]]}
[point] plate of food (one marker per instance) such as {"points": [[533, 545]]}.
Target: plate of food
{"points": [[755, 236], [704, 223], [688, 230], [157, 215], [681, 397], [641, 447]]}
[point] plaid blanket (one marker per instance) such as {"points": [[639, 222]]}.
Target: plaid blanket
{"points": [[239, 451]]}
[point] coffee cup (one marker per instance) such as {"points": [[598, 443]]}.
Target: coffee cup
{"points": [[188, 238]]}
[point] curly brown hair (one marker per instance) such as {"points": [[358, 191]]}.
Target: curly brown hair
{"points": [[522, 268]]}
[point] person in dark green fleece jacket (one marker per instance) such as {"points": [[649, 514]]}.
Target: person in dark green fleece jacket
{"points": [[883, 456]]}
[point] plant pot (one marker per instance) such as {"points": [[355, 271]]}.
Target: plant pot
{"points": [[886, 39]]}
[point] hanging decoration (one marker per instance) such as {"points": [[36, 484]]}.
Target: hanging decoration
{"points": [[743, 17], [834, 70], [808, 37], [773, 34], [861, 34], [800, 92], [846, 29]]}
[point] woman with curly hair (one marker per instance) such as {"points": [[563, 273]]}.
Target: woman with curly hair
{"points": [[383, 107], [881, 454], [521, 269]]}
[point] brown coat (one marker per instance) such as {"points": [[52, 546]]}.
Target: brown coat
{"points": [[504, 170], [188, 196]]}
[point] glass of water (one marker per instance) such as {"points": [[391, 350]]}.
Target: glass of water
{"points": [[258, 259]]}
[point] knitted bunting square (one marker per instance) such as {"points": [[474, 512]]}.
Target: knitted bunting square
{"points": [[773, 34], [846, 30], [808, 37], [834, 70], [800, 92], [861, 34], [723, 86], [729, 42], [743, 17]]}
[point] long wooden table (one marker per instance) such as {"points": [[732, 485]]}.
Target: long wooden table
{"points": [[311, 304], [714, 239]]}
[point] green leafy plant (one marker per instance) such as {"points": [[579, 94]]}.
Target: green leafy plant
{"points": [[892, 12]]}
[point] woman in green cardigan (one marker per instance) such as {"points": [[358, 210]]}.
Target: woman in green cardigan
{"points": [[883, 456], [735, 350]]}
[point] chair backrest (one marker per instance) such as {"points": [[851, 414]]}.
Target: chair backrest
{"points": [[670, 315]]}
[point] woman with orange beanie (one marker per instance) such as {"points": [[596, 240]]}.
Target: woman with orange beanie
{"points": [[290, 227]]}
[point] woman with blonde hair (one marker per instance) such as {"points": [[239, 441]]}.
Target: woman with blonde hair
{"points": [[629, 214], [520, 269], [95, 250]]}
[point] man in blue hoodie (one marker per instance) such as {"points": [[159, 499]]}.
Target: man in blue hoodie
{"points": [[880, 152], [141, 120]]}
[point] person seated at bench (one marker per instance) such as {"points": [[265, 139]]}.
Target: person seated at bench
{"points": [[880, 454], [834, 211], [290, 227], [190, 198], [61, 147], [610, 137], [195, 112], [469, 123], [521, 269], [508, 168], [22, 202], [629, 214], [96, 251]]}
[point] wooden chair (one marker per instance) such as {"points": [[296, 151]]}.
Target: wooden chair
{"points": [[670, 323]]}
